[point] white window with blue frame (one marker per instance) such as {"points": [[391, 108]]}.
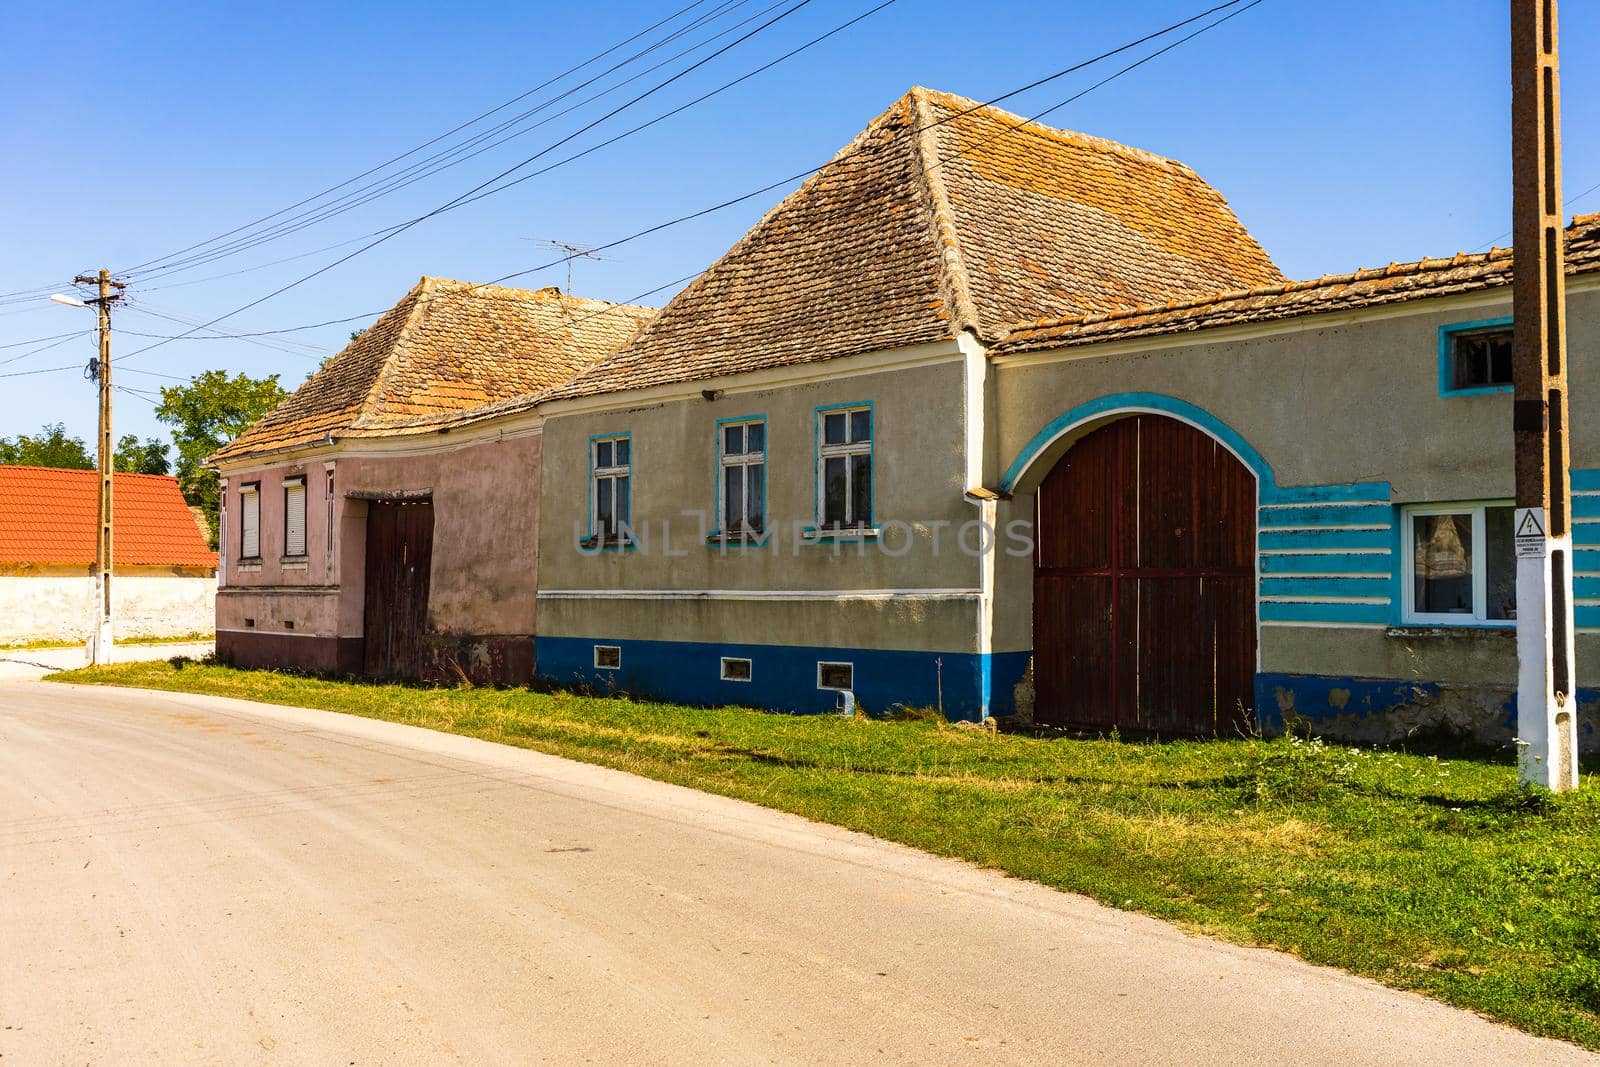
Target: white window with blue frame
{"points": [[1475, 357], [741, 479], [610, 491], [1459, 564], [844, 468]]}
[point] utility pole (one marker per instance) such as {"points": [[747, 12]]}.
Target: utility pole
{"points": [[1547, 704], [100, 639]]}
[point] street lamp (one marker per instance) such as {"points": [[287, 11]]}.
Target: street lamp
{"points": [[70, 301]]}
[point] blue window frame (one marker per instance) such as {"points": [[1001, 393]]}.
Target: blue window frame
{"points": [[741, 493], [844, 445], [610, 491], [1475, 357]]}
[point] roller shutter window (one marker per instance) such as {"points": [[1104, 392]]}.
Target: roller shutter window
{"points": [[249, 522], [294, 517]]}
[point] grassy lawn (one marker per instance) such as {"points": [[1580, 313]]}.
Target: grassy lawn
{"points": [[1429, 874], [183, 639]]}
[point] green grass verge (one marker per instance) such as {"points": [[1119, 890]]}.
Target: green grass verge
{"points": [[1428, 874], [183, 639]]}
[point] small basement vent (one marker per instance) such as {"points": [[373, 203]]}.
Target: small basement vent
{"points": [[608, 657], [735, 670], [836, 675]]}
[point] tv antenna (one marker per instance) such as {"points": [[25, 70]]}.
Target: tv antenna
{"points": [[574, 253]]}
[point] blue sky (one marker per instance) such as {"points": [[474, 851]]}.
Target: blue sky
{"points": [[1344, 135]]}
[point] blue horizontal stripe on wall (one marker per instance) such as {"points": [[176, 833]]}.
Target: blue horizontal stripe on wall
{"points": [[784, 678], [1586, 560], [1586, 507], [1329, 515], [1274, 611], [1586, 534], [1373, 492], [1586, 481], [1586, 587], [1333, 539], [1329, 587], [1586, 616], [1332, 563]]}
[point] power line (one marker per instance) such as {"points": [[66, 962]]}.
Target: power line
{"points": [[412, 151], [52, 337], [448, 205], [769, 187], [45, 348], [424, 168]]}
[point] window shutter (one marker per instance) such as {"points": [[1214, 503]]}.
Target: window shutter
{"points": [[294, 517], [249, 524]]}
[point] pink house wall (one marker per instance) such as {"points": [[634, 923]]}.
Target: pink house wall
{"points": [[483, 579]]}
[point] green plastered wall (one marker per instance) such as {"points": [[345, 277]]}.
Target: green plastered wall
{"points": [[919, 465], [1325, 403]]}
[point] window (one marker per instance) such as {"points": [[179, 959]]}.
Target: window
{"points": [[294, 516], [844, 468], [1475, 357], [1460, 564], [836, 675], [249, 521], [742, 491], [735, 670], [608, 657], [610, 497]]}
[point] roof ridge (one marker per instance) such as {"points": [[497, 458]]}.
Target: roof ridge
{"points": [[424, 289], [957, 287], [957, 102]]}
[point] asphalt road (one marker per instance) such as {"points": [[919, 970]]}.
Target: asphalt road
{"points": [[197, 880]]}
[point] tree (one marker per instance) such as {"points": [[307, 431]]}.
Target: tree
{"points": [[51, 448], [141, 457], [206, 413]]}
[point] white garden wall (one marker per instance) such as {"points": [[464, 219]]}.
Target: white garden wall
{"points": [[61, 607]]}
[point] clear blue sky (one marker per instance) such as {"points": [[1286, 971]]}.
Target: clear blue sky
{"points": [[1343, 134]]}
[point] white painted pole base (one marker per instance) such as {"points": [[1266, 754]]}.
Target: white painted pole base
{"points": [[1547, 721], [100, 647]]}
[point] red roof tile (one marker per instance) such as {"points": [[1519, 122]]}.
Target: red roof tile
{"points": [[49, 516]]}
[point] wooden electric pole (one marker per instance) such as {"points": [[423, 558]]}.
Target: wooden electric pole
{"points": [[100, 639], [1547, 703]]}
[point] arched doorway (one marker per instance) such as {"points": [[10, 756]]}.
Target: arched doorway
{"points": [[1144, 611]]}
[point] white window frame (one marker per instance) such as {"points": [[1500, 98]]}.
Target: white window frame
{"points": [[836, 688], [293, 485], [249, 493], [750, 668], [745, 460], [597, 474], [617, 666], [855, 523], [1480, 569]]}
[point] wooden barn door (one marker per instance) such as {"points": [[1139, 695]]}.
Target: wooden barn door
{"points": [[399, 556], [1144, 583]]}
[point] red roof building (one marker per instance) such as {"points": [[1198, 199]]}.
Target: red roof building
{"points": [[48, 517]]}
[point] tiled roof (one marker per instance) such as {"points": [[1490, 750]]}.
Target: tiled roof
{"points": [[50, 516], [943, 216], [445, 349], [1333, 292]]}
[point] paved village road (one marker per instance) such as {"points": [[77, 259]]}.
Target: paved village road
{"points": [[196, 880]]}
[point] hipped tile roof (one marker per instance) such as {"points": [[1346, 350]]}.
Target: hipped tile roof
{"points": [[447, 348], [51, 516], [943, 216], [1372, 287]]}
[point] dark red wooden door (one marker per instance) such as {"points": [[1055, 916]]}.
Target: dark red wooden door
{"points": [[1144, 583], [399, 557]]}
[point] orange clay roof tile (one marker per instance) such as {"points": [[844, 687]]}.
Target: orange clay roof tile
{"points": [[445, 350], [49, 515], [1367, 287], [942, 216]]}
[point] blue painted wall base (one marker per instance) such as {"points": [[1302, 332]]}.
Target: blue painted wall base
{"points": [[784, 678]]}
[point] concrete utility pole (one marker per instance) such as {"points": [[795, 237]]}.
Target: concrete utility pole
{"points": [[1547, 702], [100, 639]]}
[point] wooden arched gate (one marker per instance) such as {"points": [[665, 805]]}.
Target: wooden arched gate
{"points": [[1144, 613]]}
